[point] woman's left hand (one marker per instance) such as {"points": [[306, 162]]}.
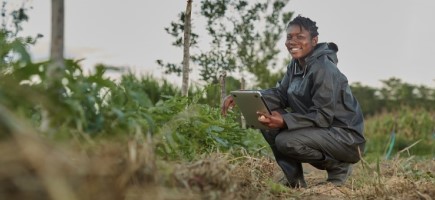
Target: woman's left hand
{"points": [[274, 120]]}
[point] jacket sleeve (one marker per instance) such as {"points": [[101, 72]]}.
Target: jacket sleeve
{"points": [[324, 97], [276, 98]]}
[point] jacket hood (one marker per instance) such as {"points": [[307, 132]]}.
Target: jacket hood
{"points": [[329, 49]]}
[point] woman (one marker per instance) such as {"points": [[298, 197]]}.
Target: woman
{"points": [[315, 117]]}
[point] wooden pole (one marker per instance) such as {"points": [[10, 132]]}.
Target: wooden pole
{"points": [[222, 78], [57, 39], [186, 57]]}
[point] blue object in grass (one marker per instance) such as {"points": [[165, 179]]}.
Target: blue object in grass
{"points": [[391, 145]]}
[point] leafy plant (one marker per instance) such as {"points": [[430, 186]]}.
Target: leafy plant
{"points": [[188, 129]]}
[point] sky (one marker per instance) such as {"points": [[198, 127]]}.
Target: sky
{"points": [[377, 39]]}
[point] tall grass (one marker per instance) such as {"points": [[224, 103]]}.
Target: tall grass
{"points": [[408, 125]]}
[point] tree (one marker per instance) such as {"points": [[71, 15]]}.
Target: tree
{"points": [[57, 67], [186, 57], [12, 46], [367, 98], [243, 38], [175, 30]]}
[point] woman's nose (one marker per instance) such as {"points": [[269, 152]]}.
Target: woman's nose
{"points": [[290, 42]]}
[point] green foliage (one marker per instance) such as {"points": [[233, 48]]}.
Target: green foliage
{"points": [[185, 132], [97, 106], [211, 93], [409, 125], [176, 30], [243, 36], [147, 88], [366, 96], [16, 67]]}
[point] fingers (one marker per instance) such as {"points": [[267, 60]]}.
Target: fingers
{"points": [[273, 121], [224, 109], [227, 104], [263, 118], [259, 113]]}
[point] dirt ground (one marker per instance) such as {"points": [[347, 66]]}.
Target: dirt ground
{"points": [[32, 168]]}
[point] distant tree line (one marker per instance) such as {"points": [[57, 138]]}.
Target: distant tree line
{"points": [[393, 95]]}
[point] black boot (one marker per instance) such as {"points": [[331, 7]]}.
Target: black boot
{"points": [[292, 169], [338, 172], [293, 172]]}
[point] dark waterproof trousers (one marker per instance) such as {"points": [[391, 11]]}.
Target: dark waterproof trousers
{"points": [[317, 146]]}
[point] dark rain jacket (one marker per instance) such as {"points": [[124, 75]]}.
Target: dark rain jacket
{"points": [[318, 96]]}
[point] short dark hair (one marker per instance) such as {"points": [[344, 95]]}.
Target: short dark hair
{"points": [[306, 23]]}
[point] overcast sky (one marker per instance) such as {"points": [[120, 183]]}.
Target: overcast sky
{"points": [[377, 39]]}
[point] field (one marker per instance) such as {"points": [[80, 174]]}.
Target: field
{"points": [[66, 134], [181, 149], [194, 153], [34, 168]]}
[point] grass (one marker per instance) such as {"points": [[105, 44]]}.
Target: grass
{"points": [[34, 168], [391, 132]]}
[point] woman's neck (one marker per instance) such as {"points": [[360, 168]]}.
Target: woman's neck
{"points": [[301, 62]]}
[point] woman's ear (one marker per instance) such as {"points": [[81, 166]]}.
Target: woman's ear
{"points": [[314, 40]]}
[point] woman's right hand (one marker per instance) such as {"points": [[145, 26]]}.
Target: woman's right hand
{"points": [[227, 104]]}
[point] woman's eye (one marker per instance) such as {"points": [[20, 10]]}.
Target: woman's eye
{"points": [[297, 37]]}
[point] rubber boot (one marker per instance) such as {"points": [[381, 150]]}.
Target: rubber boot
{"points": [[293, 172], [292, 169], [338, 172]]}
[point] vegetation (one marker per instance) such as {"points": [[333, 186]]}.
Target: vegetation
{"points": [[392, 95], [243, 38], [392, 132], [137, 138]]}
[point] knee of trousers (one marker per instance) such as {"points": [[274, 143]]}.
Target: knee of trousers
{"points": [[291, 148]]}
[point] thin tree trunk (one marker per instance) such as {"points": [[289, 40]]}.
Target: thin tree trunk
{"points": [[57, 39], [242, 87], [186, 57], [56, 68], [222, 77]]}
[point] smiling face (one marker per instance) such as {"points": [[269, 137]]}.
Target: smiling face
{"points": [[299, 42]]}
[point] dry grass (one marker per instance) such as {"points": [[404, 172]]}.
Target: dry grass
{"points": [[33, 168]]}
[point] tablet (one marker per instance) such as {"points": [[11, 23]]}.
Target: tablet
{"points": [[249, 102]]}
